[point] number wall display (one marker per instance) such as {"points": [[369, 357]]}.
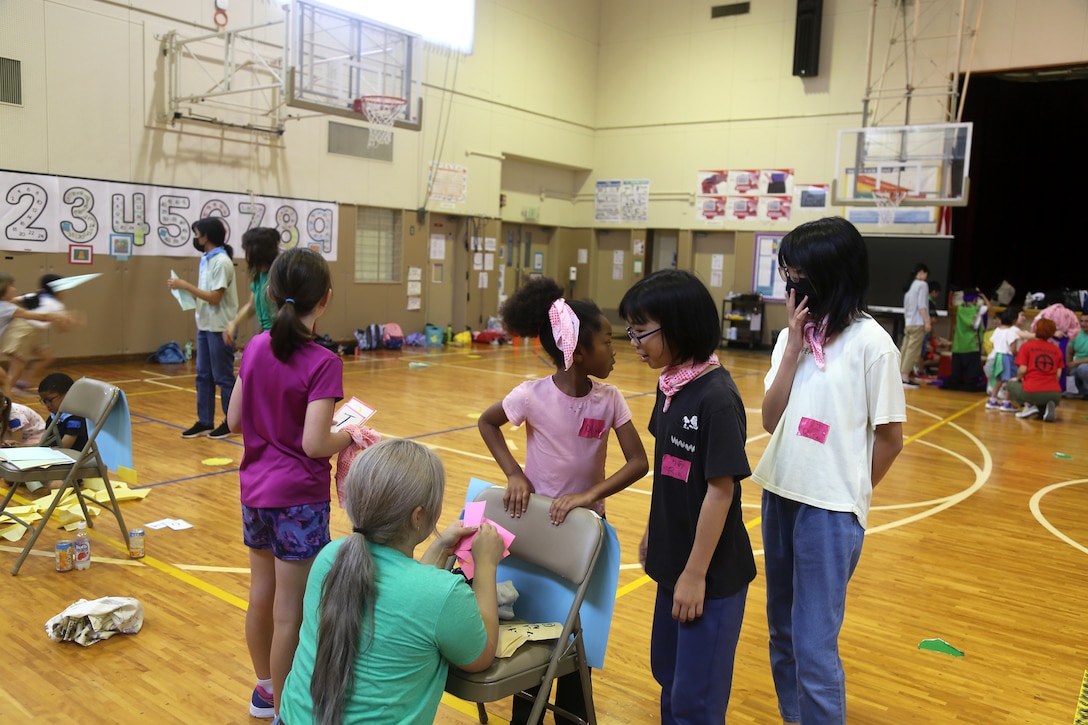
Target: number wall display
{"points": [[42, 213]]}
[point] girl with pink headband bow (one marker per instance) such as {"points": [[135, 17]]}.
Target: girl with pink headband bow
{"points": [[695, 547], [567, 417]]}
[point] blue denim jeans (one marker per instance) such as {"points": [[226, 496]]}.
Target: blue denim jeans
{"points": [[693, 662], [214, 367], [1080, 375], [809, 556]]}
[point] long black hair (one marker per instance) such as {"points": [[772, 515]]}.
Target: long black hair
{"points": [[298, 282], [832, 254], [525, 313]]}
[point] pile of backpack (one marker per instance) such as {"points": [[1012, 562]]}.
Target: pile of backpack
{"points": [[380, 337]]}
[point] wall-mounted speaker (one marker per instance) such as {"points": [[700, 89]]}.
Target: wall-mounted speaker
{"points": [[806, 38]]}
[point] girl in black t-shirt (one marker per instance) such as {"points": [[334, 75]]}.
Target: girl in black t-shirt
{"points": [[695, 547]]}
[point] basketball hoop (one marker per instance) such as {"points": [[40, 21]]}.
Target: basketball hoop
{"points": [[380, 112], [887, 202]]}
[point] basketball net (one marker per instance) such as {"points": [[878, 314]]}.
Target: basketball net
{"points": [[887, 203], [380, 112]]}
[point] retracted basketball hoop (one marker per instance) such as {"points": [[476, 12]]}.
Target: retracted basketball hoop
{"points": [[381, 112]]}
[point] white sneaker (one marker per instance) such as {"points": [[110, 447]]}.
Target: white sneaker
{"points": [[909, 385], [1028, 411], [1049, 413]]}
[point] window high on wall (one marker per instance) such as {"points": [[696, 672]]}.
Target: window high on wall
{"points": [[377, 245], [450, 23]]}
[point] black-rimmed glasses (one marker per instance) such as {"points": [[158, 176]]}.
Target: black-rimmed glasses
{"points": [[637, 338]]}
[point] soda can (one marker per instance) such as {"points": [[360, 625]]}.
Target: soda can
{"points": [[65, 557], [136, 544]]}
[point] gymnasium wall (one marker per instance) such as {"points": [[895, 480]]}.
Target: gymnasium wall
{"points": [[555, 96]]}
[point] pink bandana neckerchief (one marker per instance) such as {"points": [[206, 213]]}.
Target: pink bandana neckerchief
{"points": [[564, 330], [675, 377], [816, 341]]}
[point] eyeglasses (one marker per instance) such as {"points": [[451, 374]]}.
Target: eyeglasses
{"points": [[48, 401], [637, 338], [788, 276]]}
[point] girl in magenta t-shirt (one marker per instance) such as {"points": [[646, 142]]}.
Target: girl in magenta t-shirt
{"points": [[283, 407]]}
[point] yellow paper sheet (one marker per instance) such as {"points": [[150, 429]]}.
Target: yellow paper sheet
{"points": [[122, 494]]}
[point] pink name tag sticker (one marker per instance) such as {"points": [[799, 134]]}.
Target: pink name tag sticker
{"points": [[813, 429], [591, 428], [674, 467]]}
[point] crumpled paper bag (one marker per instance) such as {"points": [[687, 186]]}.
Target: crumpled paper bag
{"points": [[512, 636], [87, 622]]}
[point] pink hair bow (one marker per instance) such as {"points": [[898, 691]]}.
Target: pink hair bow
{"points": [[564, 330]]}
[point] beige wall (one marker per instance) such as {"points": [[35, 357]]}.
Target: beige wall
{"points": [[555, 96]]}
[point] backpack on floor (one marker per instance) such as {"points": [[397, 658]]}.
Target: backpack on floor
{"points": [[168, 354], [415, 339], [369, 338], [392, 336]]}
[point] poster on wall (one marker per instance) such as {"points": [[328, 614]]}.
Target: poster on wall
{"points": [[739, 208], [447, 182], [774, 208], [776, 181], [712, 182], [711, 208], [765, 278], [45, 213], [743, 181], [622, 200], [812, 196]]}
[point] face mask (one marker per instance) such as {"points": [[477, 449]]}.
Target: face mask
{"points": [[803, 289], [197, 245]]}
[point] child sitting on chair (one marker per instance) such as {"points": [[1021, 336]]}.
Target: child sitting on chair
{"points": [[72, 428]]}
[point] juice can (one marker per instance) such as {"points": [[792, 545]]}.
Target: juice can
{"points": [[65, 556], [136, 544]]}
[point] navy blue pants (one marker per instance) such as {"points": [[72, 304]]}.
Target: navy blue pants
{"points": [[693, 661]]}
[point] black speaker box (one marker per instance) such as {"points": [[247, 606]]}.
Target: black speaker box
{"points": [[806, 38]]}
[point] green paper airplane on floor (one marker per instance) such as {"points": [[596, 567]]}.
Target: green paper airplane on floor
{"points": [[939, 645]]}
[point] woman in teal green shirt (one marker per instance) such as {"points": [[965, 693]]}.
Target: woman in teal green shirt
{"points": [[261, 246]]}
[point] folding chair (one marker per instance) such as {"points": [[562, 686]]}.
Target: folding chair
{"points": [[567, 552], [90, 399]]}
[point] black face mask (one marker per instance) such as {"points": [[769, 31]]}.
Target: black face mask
{"points": [[197, 245], [803, 289]]}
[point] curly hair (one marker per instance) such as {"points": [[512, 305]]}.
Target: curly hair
{"points": [[525, 313]]}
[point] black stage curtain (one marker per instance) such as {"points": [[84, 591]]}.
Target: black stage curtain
{"points": [[1024, 221]]}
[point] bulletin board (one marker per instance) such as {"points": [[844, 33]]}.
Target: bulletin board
{"points": [[765, 278]]}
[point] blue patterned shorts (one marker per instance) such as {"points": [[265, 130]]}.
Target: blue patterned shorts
{"points": [[294, 533]]}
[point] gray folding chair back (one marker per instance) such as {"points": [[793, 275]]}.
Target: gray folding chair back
{"points": [[89, 399], [569, 551]]}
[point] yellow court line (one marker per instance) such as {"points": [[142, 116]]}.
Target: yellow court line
{"points": [[167, 568], [184, 576], [468, 708], [943, 421]]}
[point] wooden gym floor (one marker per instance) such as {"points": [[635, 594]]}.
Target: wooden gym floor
{"points": [[978, 536]]}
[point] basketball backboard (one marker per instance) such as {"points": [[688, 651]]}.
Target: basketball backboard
{"points": [[927, 165], [336, 57]]}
